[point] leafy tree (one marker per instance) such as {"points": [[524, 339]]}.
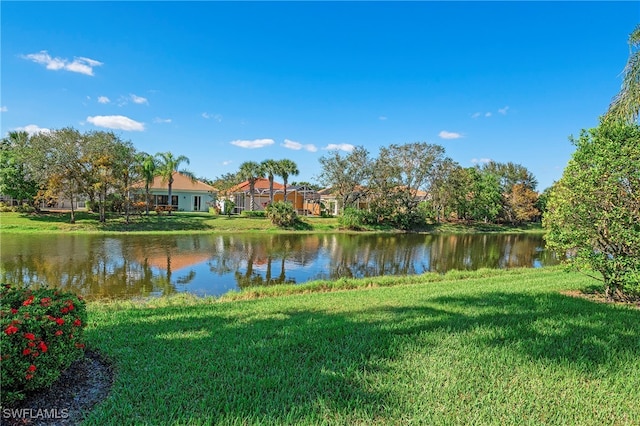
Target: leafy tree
{"points": [[15, 180], [287, 168], [55, 160], [251, 171], [348, 176], [521, 203], [271, 168], [403, 175], [593, 212], [486, 197], [167, 165], [148, 169], [626, 104], [443, 189]]}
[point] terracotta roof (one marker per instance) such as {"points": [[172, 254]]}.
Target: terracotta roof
{"points": [[261, 184], [180, 183]]}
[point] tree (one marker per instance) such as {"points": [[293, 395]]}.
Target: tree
{"points": [[15, 180], [348, 175], [167, 165], [403, 176], [148, 169], [522, 203], [626, 104], [593, 211], [271, 168], [287, 168], [56, 162], [251, 171]]}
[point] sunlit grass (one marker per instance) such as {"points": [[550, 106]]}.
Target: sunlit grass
{"points": [[466, 348], [183, 223]]}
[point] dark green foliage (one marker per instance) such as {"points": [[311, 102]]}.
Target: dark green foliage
{"points": [[254, 213], [41, 335], [593, 212], [282, 214]]}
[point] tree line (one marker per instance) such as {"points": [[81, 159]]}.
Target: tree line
{"points": [[410, 183], [68, 164]]}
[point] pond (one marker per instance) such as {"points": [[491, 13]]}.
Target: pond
{"points": [[129, 266]]}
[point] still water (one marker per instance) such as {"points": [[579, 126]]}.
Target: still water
{"points": [[130, 266]]}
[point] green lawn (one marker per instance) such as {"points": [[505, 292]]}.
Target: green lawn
{"points": [[182, 223], [492, 347]]}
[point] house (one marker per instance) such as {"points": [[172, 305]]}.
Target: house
{"points": [[186, 195], [302, 198]]}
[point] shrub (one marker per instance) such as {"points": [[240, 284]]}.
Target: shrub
{"points": [[282, 214], [255, 213], [354, 219], [41, 335]]}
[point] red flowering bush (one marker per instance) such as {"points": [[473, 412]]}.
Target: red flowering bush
{"points": [[41, 334]]}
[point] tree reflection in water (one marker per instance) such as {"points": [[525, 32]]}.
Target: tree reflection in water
{"points": [[130, 266]]}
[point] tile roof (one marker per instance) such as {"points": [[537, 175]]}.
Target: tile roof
{"points": [[180, 183]]}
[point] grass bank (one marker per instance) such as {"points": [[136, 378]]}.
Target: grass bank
{"points": [[501, 347], [181, 223]]}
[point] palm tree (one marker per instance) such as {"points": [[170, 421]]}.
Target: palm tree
{"points": [[626, 104], [251, 171], [271, 168], [287, 168], [148, 170], [167, 164]]}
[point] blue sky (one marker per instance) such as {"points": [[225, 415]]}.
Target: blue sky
{"points": [[223, 83]]}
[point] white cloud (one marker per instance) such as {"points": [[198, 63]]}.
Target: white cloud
{"points": [[340, 147], [103, 99], [476, 115], [79, 64], [289, 144], [487, 114], [256, 143], [216, 117], [162, 120], [32, 129], [382, 118], [4, 109], [504, 110], [119, 122], [227, 162], [449, 135], [481, 160], [138, 99]]}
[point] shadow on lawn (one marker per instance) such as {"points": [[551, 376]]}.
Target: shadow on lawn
{"points": [[309, 366]]}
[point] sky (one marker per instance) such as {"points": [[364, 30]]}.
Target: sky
{"points": [[226, 82]]}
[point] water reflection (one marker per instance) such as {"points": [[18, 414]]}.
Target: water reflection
{"points": [[129, 266]]}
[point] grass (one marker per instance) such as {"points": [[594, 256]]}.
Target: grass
{"points": [[182, 223], [491, 347]]}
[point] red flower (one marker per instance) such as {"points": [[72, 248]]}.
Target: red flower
{"points": [[29, 336], [11, 329], [27, 351], [59, 321], [29, 376], [43, 347], [64, 310], [79, 345], [14, 311], [35, 353], [31, 345], [46, 301], [71, 307], [31, 368], [59, 332], [28, 301], [77, 322]]}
